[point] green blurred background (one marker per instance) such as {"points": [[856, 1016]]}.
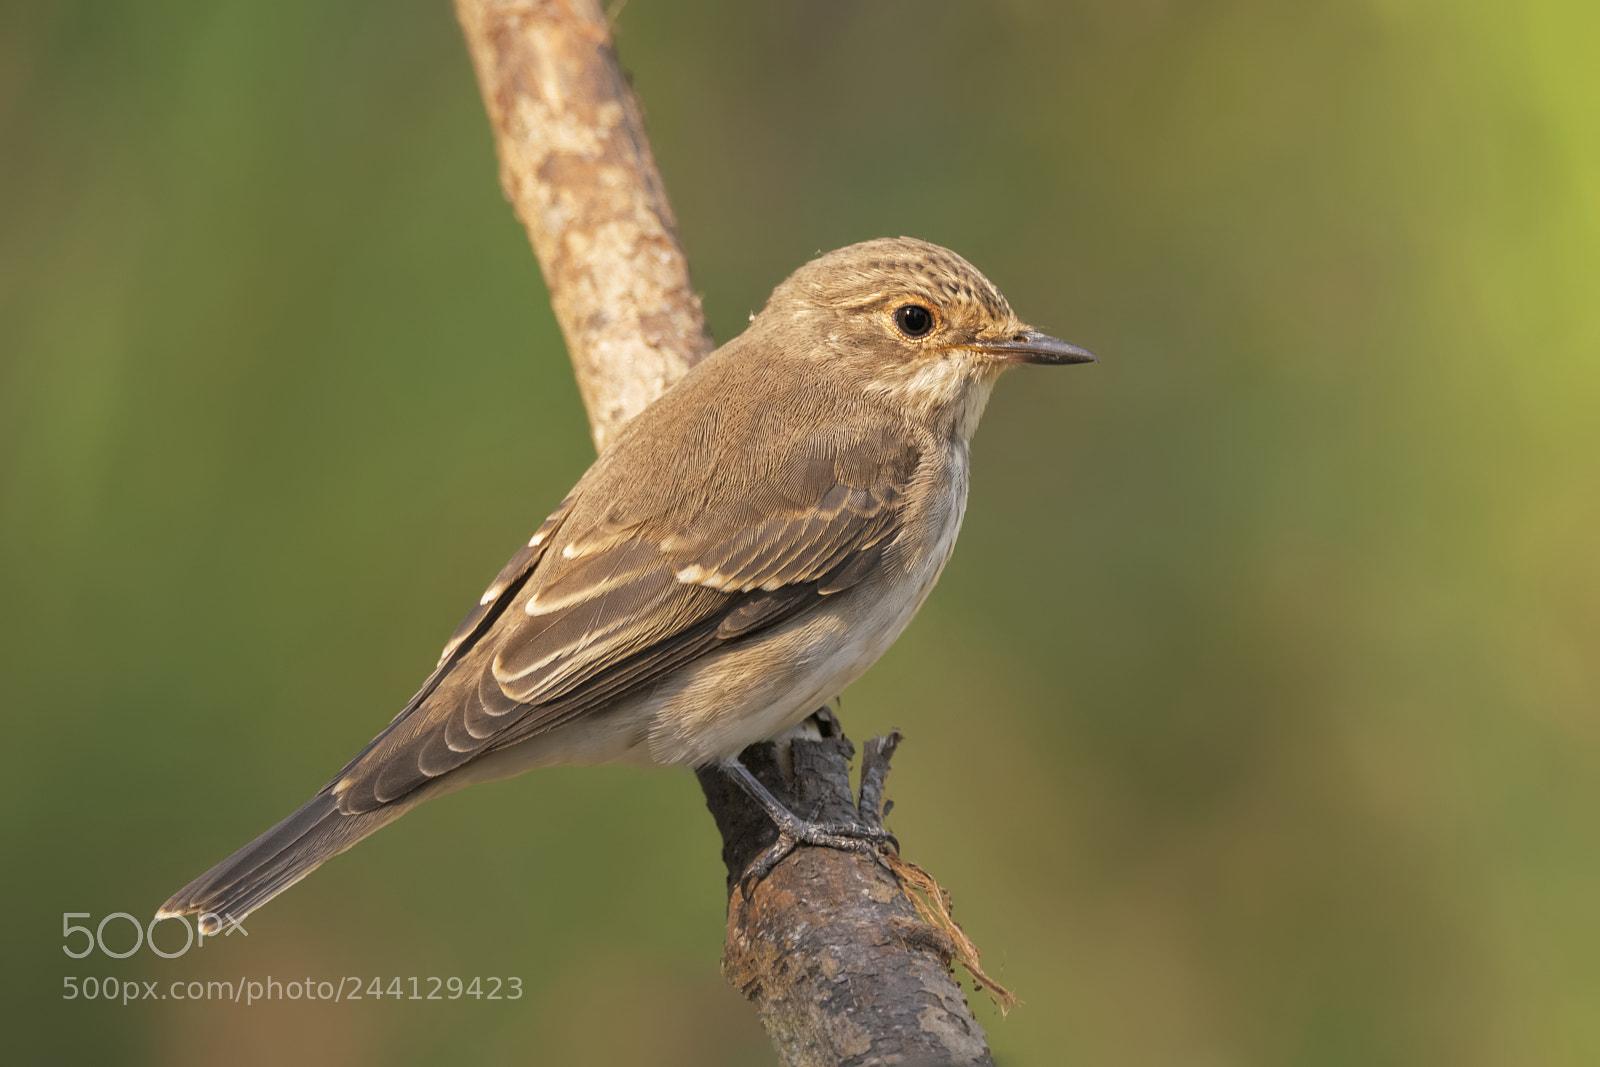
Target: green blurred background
{"points": [[1256, 720]]}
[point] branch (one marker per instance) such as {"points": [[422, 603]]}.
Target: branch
{"points": [[576, 165], [838, 958]]}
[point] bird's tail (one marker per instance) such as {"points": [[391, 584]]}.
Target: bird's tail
{"points": [[276, 860]]}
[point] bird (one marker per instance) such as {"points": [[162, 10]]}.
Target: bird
{"points": [[744, 549]]}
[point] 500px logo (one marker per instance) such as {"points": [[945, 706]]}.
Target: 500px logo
{"points": [[144, 935]]}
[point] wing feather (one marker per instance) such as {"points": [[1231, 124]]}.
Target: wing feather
{"points": [[629, 599]]}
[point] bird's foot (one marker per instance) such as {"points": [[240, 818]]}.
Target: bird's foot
{"points": [[856, 836], [867, 840]]}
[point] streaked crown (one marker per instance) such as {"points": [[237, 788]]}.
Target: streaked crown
{"points": [[890, 268]]}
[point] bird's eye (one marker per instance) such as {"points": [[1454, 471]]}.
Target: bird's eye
{"points": [[914, 320]]}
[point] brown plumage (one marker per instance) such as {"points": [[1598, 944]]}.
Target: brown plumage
{"points": [[744, 549]]}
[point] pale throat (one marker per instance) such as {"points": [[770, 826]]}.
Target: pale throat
{"points": [[947, 394]]}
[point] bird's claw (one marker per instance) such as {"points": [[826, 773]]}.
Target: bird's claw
{"points": [[846, 837]]}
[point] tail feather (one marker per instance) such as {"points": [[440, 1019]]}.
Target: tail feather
{"points": [[276, 860]]}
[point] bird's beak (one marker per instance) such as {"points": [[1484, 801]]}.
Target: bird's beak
{"points": [[1031, 346]]}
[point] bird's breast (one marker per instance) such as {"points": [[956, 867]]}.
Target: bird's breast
{"points": [[930, 532]]}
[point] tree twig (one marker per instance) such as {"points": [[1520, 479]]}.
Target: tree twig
{"points": [[829, 946]]}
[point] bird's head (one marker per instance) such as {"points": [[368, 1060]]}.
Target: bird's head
{"points": [[910, 321]]}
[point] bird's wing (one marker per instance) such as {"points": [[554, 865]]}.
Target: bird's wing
{"points": [[622, 603]]}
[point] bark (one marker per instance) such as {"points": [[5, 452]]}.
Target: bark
{"points": [[829, 946], [840, 964], [576, 165]]}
